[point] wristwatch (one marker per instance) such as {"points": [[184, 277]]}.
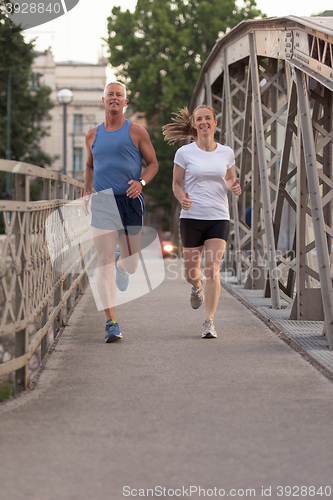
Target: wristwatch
{"points": [[142, 182]]}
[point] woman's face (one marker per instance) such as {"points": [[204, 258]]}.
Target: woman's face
{"points": [[204, 122]]}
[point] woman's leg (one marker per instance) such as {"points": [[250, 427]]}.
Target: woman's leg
{"points": [[192, 262], [214, 250]]}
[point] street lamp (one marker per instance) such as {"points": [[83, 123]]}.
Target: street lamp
{"points": [[33, 89], [65, 97]]}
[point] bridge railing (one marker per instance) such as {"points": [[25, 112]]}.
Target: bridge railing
{"points": [[35, 295], [271, 84]]}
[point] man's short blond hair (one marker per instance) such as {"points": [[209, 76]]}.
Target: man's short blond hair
{"points": [[118, 83]]}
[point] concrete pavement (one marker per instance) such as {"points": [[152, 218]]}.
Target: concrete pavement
{"points": [[166, 409]]}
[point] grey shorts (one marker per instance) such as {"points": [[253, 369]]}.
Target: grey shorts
{"points": [[117, 212]]}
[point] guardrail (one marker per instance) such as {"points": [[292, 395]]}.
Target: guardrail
{"points": [[32, 291]]}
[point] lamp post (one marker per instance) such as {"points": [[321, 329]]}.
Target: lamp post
{"points": [[32, 88], [65, 97]]}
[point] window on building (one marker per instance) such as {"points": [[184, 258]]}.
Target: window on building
{"points": [[78, 124], [78, 159]]}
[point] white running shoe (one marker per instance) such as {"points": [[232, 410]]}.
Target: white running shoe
{"points": [[197, 296], [208, 329]]}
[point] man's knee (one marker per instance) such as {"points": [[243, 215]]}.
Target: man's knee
{"points": [[130, 264], [105, 259]]}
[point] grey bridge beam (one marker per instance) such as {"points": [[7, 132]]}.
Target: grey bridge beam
{"points": [[271, 84]]}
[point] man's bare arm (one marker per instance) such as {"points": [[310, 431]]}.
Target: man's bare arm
{"points": [[149, 155], [89, 170], [142, 140]]}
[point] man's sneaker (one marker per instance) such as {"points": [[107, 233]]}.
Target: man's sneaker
{"points": [[122, 277], [197, 296], [112, 331], [208, 329]]}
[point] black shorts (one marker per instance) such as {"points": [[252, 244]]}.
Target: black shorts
{"points": [[117, 212], [194, 232]]}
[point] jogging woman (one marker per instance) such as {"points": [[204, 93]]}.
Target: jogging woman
{"points": [[203, 171]]}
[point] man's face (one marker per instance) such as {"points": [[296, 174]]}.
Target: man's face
{"points": [[114, 98]]}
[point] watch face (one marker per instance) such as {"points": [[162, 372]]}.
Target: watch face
{"points": [[143, 182]]}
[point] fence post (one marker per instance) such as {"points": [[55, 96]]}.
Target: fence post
{"points": [[58, 292], [45, 311], [69, 279], [22, 187]]}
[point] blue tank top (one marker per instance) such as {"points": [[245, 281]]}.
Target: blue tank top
{"points": [[116, 159]]}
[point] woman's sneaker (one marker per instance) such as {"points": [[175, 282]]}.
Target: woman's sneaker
{"points": [[122, 277], [112, 331], [197, 296], [208, 329]]}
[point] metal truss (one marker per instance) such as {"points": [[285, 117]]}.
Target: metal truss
{"points": [[271, 84]]}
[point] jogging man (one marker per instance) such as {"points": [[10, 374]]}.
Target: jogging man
{"points": [[115, 151]]}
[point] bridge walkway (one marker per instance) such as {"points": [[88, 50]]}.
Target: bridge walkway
{"points": [[164, 408]]}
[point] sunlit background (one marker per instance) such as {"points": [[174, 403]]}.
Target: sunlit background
{"points": [[77, 36]]}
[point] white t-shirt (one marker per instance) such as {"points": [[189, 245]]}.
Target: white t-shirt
{"points": [[204, 180]]}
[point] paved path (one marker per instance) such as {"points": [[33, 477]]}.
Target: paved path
{"points": [[165, 408]]}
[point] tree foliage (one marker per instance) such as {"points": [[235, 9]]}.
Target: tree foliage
{"points": [[159, 50], [27, 111]]}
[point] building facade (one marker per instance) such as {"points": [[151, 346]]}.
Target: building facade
{"points": [[86, 82]]}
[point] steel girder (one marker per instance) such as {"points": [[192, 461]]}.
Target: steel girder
{"points": [[271, 84]]}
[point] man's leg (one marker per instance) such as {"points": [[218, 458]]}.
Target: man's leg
{"points": [[105, 243], [129, 246], [132, 213]]}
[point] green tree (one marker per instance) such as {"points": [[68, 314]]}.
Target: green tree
{"points": [[28, 111], [158, 51]]}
